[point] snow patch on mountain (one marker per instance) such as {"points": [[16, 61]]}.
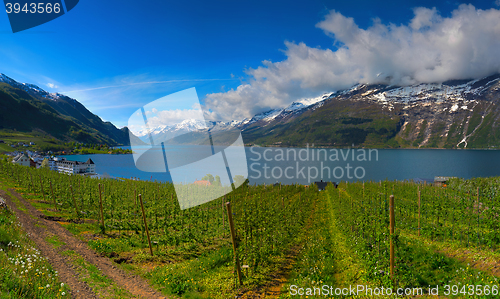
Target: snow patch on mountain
{"points": [[459, 95], [198, 125], [31, 89], [270, 115]]}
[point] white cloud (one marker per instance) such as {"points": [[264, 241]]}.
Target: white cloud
{"points": [[52, 85], [431, 48]]}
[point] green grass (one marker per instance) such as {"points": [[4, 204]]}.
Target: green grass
{"points": [[55, 241], [419, 262], [102, 285], [44, 143], [326, 259], [41, 141], [24, 273], [194, 259], [208, 274]]}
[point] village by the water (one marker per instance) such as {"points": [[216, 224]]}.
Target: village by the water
{"points": [[36, 159]]}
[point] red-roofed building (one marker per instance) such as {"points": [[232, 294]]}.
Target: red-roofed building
{"points": [[202, 183]]}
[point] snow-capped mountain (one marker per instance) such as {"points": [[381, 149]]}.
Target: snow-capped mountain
{"points": [[453, 114], [460, 93], [422, 115], [31, 89], [188, 125], [283, 112], [164, 132], [27, 107]]}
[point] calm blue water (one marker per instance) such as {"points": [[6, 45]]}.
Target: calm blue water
{"points": [[271, 165]]}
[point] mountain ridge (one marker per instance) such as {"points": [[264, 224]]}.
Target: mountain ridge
{"points": [[29, 108], [451, 114]]}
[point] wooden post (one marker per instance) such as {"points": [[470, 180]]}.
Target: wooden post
{"points": [[233, 239], [391, 207], [419, 205], [41, 186], [478, 219], [173, 215], [363, 191], [32, 185], [53, 197], [471, 208], [102, 213], [74, 201], [146, 225], [223, 220]]}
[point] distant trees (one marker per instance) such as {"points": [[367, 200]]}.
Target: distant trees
{"points": [[217, 181], [209, 178], [238, 180], [45, 163]]}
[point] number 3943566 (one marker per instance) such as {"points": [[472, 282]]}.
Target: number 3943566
{"points": [[33, 8]]}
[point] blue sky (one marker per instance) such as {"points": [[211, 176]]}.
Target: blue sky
{"points": [[116, 56]]}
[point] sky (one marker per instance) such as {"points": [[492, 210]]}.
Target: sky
{"points": [[246, 57]]}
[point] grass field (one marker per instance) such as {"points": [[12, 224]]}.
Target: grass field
{"points": [[290, 239], [44, 143]]}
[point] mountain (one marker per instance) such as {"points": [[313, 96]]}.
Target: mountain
{"points": [[452, 114], [28, 108], [166, 132], [265, 118]]}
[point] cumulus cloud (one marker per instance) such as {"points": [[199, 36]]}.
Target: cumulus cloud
{"points": [[430, 48], [52, 85]]}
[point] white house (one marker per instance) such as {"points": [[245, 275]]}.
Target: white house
{"points": [[21, 159], [52, 164], [75, 167]]}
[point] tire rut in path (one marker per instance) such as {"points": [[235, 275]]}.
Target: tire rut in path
{"points": [[136, 285]]}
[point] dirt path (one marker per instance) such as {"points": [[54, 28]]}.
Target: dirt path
{"points": [[479, 259], [39, 228], [475, 260]]}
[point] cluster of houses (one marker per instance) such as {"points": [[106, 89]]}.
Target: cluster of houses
{"points": [[19, 144], [33, 159]]}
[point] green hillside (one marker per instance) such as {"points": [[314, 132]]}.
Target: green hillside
{"points": [[47, 122], [337, 123]]}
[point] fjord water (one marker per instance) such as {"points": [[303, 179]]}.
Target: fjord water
{"points": [[271, 165]]}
